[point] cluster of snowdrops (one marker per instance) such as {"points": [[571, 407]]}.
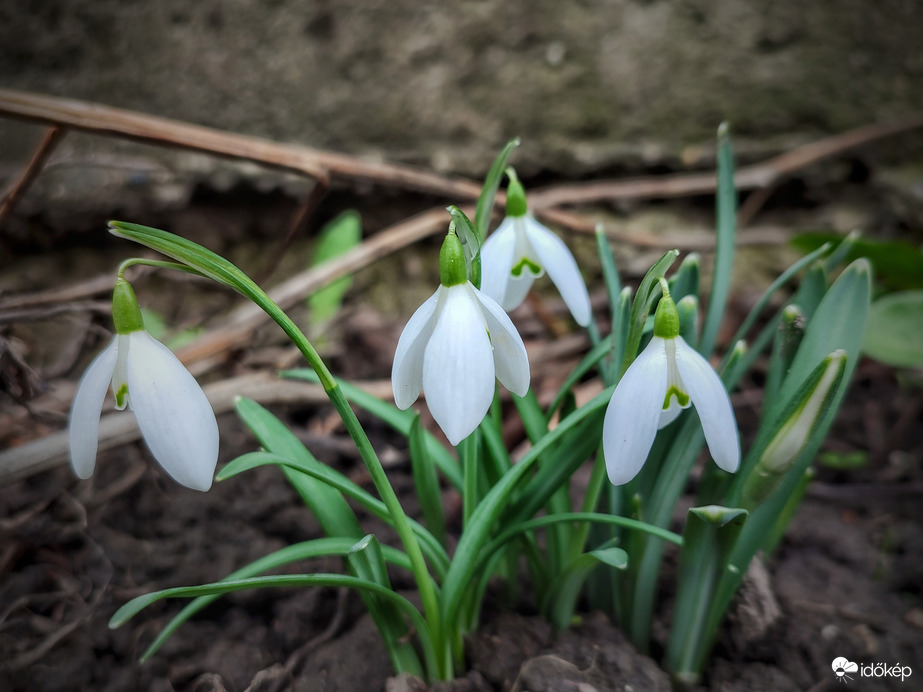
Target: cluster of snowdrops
{"points": [[662, 401]]}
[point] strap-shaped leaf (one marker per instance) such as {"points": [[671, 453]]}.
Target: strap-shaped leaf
{"points": [[709, 537]]}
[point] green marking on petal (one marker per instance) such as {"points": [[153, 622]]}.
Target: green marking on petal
{"points": [[524, 263], [120, 396], [681, 397]]}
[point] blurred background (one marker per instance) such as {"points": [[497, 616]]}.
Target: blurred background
{"points": [[592, 86]]}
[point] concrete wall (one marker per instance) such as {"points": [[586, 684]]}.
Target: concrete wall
{"points": [[591, 84]]}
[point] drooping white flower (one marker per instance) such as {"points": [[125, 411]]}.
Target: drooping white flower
{"points": [[454, 347], [175, 418], [522, 250], [664, 379]]}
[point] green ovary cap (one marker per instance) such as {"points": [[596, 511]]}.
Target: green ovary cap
{"points": [[515, 196], [126, 313], [666, 318], [452, 268]]}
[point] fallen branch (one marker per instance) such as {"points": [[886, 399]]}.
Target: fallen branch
{"points": [[753, 177], [320, 165]]}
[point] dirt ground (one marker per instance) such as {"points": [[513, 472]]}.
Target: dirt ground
{"points": [[845, 581]]}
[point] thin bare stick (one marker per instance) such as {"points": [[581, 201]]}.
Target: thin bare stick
{"points": [[52, 136], [746, 178], [91, 117], [321, 164]]}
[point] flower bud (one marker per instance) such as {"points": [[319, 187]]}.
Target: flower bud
{"points": [[793, 435]]}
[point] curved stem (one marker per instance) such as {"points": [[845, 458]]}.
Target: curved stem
{"points": [[379, 478], [135, 261]]}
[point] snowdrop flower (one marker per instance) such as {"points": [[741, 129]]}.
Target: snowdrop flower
{"points": [[174, 416], [522, 250], [665, 378], [454, 347]]}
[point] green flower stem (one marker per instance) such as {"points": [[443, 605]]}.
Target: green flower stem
{"points": [[379, 478], [218, 268], [141, 261]]}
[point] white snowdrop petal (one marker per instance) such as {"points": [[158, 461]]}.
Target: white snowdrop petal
{"points": [[497, 260], [524, 254], [630, 425], [562, 269], [713, 405], [510, 357], [517, 288], [83, 427], [407, 370], [458, 366], [670, 415], [175, 417]]}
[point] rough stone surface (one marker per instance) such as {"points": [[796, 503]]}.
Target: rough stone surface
{"points": [[588, 84], [537, 659]]}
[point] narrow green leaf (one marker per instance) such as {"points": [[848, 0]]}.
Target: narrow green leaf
{"points": [[688, 311], [136, 605], [590, 360], [709, 538], [685, 280], [838, 323], [774, 287], [560, 600], [726, 209], [648, 291], [471, 243], [610, 270], [337, 237], [328, 477], [485, 204], [533, 418], [469, 455], [367, 560], [318, 547], [426, 482], [328, 505], [784, 517], [557, 465]]}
